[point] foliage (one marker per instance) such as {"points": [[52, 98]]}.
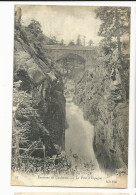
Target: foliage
{"points": [[78, 42], [115, 24], [90, 43], [57, 165], [35, 27], [24, 100], [71, 43], [62, 42], [115, 30]]}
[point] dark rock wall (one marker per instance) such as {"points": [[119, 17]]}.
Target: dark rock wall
{"points": [[44, 84], [102, 96]]}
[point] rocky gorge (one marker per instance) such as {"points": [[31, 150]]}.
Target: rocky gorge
{"points": [[68, 104]]}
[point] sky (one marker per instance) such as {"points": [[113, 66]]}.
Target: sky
{"points": [[64, 22]]}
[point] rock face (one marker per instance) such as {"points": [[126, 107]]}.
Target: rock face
{"points": [[18, 15], [101, 95], [43, 83]]}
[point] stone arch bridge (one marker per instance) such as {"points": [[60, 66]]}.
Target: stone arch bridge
{"points": [[56, 52]]}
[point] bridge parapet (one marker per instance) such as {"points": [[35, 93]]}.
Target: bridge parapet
{"points": [[63, 47]]}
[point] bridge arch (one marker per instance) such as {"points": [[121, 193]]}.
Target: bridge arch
{"points": [[71, 56], [84, 53], [70, 64]]}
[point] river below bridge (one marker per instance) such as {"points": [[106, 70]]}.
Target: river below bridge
{"points": [[79, 136]]}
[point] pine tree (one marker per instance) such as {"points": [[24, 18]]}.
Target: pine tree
{"points": [[114, 27], [78, 42], [115, 24]]}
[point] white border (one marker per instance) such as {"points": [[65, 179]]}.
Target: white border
{"points": [[6, 76]]}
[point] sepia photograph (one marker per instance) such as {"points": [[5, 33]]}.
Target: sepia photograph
{"points": [[70, 96]]}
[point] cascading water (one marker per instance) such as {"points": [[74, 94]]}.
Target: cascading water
{"points": [[79, 136]]}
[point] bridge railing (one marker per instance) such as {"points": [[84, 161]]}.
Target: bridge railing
{"points": [[74, 47]]}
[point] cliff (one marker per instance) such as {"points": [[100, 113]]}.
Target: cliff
{"points": [[38, 98], [103, 96]]}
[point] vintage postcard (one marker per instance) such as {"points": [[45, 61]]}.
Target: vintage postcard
{"points": [[71, 96]]}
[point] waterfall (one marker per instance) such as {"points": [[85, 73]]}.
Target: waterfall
{"points": [[79, 135]]}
